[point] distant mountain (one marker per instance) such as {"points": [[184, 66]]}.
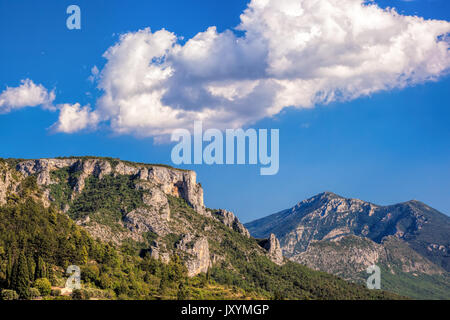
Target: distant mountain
{"points": [[344, 236], [139, 231]]}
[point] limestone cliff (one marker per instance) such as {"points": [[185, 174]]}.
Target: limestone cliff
{"points": [[272, 245], [179, 183], [230, 220], [197, 252], [8, 182], [117, 201]]}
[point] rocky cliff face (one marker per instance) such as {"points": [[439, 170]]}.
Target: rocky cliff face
{"points": [[152, 191], [198, 256], [272, 245], [179, 183], [8, 182], [230, 220], [350, 256]]}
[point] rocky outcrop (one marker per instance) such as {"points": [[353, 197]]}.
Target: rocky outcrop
{"points": [[6, 182], [157, 183], [400, 254], [346, 257], [349, 257], [198, 257], [230, 220], [42, 168], [178, 183], [157, 253], [107, 234], [142, 220], [175, 182], [272, 245], [89, 167]]}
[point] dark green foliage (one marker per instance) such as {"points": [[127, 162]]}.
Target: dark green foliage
{"points": [[245, 266], [28, 186], [109, 198], [61, 192], [21, 277], [41, 232], [77, 294], [416, 286], [55, 292], [41, 242], [171, 240], [9, 295], [183, 292], [43, 285], [33, 293], [41, 269]]}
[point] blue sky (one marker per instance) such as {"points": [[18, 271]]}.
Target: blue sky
{"points": [[390, 146]]}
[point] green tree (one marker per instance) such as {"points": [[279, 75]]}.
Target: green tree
{"points": [[9, 271], [33, 293], [183, 292], [44, 286], [176, 269], [41, 269], [22, 277], [84, 256], [9, 295], [31, 268], [163, 284], [111, 257]]}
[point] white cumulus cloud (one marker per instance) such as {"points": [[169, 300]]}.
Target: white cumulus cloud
{"points": [[73, 118], [28, 94], [296, 53]]}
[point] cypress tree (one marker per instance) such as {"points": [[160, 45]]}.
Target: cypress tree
{"points": [[41, 269], [22, 277], [10, 271], [31, 268], [50, 274]]}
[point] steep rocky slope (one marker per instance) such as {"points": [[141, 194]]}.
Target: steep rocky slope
{"points": [[158, 212], [118, 201], [344, 236]]}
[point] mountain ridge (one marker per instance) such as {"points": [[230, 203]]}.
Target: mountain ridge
{"points": [[152, 222], [329, 223]]}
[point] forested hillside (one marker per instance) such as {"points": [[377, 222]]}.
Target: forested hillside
{"points": [[185, 254]]}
